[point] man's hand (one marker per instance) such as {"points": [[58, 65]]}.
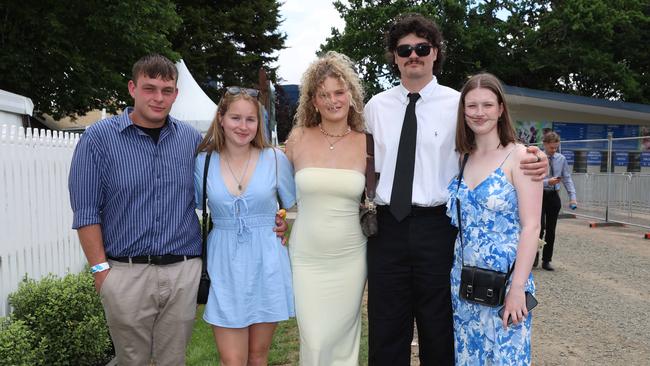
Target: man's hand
{"points": [[281, 227], [553, 181], [535, 163], [99, 279]]}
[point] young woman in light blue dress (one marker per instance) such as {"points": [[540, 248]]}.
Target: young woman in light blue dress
{"points": [[500, 213], [249, 267]]}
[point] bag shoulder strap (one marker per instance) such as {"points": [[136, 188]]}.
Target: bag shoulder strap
{"points": [[460, 225], [371, 175], [206, 224]]}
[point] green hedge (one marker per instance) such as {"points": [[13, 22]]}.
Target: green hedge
{"points": [[56, 321]]}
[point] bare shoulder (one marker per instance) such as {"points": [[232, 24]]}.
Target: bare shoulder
{"points": [[295, 136], [518, 153]]}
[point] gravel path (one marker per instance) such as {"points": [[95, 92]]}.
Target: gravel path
{"points": [[595, 307]]}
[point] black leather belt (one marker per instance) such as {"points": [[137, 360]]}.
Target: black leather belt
{"points": [[157, 260], [419, 210]]}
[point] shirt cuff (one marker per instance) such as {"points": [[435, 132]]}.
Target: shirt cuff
{"points": [[85, 217]]}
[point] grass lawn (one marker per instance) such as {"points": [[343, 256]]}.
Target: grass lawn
{"points": [[202, 349]]}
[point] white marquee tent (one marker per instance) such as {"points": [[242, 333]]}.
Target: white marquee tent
{"points": [[192, 105]]}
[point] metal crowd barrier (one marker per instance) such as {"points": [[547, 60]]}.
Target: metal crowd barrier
{"points": [[615, 197]]}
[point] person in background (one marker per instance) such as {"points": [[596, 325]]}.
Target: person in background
{"points": [[558, 172], [328, 250], [250, 289], [500, 209], [409, 261]]}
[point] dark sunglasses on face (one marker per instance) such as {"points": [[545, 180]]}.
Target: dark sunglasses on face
{"points": [[421, 49], [234, 90]]}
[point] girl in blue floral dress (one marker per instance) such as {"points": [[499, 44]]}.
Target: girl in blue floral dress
{"points": [[500, 213]]}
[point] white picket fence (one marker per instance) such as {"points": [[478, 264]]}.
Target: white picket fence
{"points": [[36, 238]]}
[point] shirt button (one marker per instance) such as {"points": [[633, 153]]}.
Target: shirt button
{"points": [[158, 176], [157, 219]]}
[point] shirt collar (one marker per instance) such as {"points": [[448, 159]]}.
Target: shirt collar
{"points": [[425, 93], [125, 121]]}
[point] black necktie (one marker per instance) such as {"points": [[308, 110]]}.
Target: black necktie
{"points": [[550, 165], [401, 195]]}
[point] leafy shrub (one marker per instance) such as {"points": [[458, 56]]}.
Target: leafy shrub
{"points": [[65, 318], [17, 345]]}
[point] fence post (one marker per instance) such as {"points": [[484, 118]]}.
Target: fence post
{"points": [[610, 135]]}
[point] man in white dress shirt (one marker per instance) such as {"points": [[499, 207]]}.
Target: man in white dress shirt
{"points": [[410, 260]]}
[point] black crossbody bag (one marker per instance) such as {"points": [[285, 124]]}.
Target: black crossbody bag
{"points": [[479, 285]]}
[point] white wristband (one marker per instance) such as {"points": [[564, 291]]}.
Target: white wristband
{"points": [[99, 267]]}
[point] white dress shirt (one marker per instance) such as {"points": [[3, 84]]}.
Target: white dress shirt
{"points": [[436, 161]]}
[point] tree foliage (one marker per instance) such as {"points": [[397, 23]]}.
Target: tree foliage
{"points": [[72, 56], [586, 47], [75, 55], [227, 42]]}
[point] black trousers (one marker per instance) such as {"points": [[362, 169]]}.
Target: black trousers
{"points": [[409, 264], [551, 206]]}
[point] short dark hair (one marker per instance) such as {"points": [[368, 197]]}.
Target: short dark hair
{"points": [[154, 66], [551, 137], [417, 24], [465, 139]]}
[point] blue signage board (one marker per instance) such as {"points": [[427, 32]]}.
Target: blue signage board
{"points": [[569, 155], [645, 159], [620, 158], [587, 131], [593, 158]]}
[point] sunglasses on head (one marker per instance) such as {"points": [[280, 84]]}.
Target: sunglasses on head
{"points": [[235, 90], [421, 49]]}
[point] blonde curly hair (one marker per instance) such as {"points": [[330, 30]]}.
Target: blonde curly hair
{"points": [[339, 66]]}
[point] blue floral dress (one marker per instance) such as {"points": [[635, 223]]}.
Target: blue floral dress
{"points": [[490, 221]]}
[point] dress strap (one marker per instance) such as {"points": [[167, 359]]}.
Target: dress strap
{"points": [[507, 156]]}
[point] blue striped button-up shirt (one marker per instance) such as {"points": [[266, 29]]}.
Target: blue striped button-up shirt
{"points": [[141, 193]]}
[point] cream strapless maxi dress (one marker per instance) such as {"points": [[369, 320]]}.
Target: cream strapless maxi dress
{"points": [[328, 259]]}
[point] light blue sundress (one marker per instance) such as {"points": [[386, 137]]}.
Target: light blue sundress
{"points": [[490, 218], [248, 265]]}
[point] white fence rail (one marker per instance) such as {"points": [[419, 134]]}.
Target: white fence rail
{"points": [[35, 216]]}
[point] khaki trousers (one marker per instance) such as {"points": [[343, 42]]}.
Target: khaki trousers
{"points": [[150, 310]]}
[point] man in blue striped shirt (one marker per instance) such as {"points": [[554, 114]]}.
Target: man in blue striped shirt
{"points": [[551, 205], [132, 193]]}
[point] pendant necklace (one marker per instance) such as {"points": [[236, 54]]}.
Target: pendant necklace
{"points": [[241, 179], [338, 138]]}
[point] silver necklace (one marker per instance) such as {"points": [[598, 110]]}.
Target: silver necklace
{"points": [[241, 179], [327, 135]]}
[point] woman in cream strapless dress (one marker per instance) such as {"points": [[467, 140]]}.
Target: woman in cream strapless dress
{"points": [[327, 248], [328, 257]]}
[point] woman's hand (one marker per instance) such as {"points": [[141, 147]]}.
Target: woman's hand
{"points": [[281, 225], [515, 306]]}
